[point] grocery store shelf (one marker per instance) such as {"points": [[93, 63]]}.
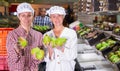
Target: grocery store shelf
{"points": [[104, 13], [107, 32]]}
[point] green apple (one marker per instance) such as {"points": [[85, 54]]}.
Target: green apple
{"points": [[35, 50], [105, 44], [102, 48], [110, 54], [60, 41], [111, 42], [117, 30], [117, 52], [88, 29], [116, 59], [46, 39], [40, 55], [53, 42], [22, 42], [98, 46], [113, 56]]}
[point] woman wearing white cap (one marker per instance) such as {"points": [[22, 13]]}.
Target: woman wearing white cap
{"points": [[20, 59], [61, 58]]}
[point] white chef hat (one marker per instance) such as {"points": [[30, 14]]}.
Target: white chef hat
{"points": [[24, 7], [56, 10]]}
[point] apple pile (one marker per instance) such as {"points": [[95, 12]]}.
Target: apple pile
{"points": [[105, 44], [22, 42], [54, 42], [114, 56], [39, 53]]}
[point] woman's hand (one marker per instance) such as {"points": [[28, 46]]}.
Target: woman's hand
{"points": [[18, 49], [61, 48], [50, 50], [34, 57]]}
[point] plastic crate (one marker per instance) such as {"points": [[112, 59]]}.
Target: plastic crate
{"points": [[3, 36], [95, 40], [106, 50]]}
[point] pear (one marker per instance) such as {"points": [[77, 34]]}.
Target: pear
{"points": [[53, 42], [116, 30], [60, 41], [44, 28], [35, 50], [105, 44], [111, 42], [22, 42], [46, 39], [98, 46], [117, 52], [113, 56], [88, 29], [116, 60], [40, 54], [102, 48], [36, 27], [110, 54]]}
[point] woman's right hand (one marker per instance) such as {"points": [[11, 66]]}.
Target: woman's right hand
{"points": [[50, 50], [18, 49]]}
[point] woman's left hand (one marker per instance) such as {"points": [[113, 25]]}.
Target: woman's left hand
{"points": [[60, 48]]}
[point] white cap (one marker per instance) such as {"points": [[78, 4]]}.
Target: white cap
{"points": [[56, 10], [24, 7]]}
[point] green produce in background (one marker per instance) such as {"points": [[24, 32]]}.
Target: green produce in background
{"points": [[104, 44], [22, 42], [116, 30], [99, 45], [114, 56], [110, 41], [117, 52], [102, 48], [110, 54], [41, 28]]}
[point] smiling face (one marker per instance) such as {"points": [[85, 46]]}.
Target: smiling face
{"points": [[26, 19], [57, 19]]}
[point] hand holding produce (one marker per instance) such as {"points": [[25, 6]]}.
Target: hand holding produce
{"points": [[39, 53], [54, 42], [22, 42], [60, 41]]}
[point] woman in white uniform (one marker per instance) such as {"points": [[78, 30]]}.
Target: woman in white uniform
{"points": [[61, 58]]}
